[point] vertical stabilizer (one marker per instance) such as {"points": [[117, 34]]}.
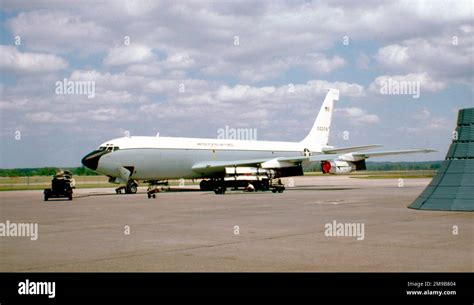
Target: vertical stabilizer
{"points": [[319, 134]]}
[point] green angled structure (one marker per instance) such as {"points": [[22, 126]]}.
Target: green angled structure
{"points": [[452, 189]]}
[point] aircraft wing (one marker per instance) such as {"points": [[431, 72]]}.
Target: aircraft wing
{"points": [[209, 167], [391, 152], [349, 149], [215, 167]]}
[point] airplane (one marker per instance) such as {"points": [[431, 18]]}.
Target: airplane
{"points": [[223, 162]]}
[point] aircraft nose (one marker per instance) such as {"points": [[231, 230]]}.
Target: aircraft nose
{"points": [[91, 160]]}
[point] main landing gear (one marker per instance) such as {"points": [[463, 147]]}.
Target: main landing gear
{"points": [[220, 190], [216, 185], [219, 186]]}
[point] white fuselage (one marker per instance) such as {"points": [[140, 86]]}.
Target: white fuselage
{"points": [[156, 158]]}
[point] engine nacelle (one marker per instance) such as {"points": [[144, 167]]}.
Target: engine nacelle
{"points": [[337, 167]]}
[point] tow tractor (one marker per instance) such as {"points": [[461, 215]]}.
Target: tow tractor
{"points": [[61, 186]]}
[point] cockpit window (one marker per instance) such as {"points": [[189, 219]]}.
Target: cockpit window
{"points": [[109, 148]]}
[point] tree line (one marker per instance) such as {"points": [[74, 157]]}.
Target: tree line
{"points": [[45, 171]]}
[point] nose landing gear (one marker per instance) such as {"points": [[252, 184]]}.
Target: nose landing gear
{"points": [[130, 188]]}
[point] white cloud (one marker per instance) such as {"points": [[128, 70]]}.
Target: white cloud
{"points": [[58, 31], [393, 55], [149, 69], [447, 57], [319, 63], [110, 114], [179, 61], [266, 69], [48, 117], [128, 54], [13, 60], [240, 93], [310, 91], [357, 116], [428, 122]]}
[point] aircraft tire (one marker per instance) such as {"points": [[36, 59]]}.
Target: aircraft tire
{"points": [[219, 190], [131, 187], [206, 185]]}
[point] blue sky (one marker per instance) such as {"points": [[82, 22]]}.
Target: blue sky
{"points": [[355, 47]]}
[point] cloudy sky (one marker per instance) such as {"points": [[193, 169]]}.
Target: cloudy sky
{"points": [[189, 68]]}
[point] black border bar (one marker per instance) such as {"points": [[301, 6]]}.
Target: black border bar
{"points": [[239, 288]]}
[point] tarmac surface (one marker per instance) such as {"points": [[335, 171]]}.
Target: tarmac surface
{"points": [[191, 230]]}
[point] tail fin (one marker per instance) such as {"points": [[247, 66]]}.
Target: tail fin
{"points": [[319, 134]]}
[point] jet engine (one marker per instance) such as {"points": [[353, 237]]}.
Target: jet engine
{"points": [[337, 167]]}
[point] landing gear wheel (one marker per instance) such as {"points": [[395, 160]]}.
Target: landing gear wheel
{"points": [[206, 185], [278, 189], [220, 190], [131, 187]]}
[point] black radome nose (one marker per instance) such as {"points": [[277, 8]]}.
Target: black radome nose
{"points": [[91, 160]]}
